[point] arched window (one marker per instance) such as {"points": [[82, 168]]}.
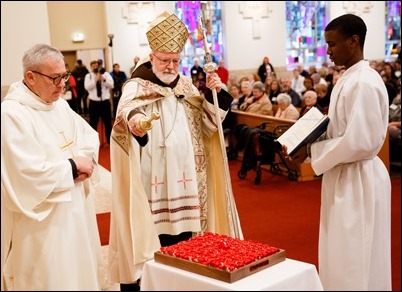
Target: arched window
{"points": [[305, 24], [210, 11], [392, 28]]}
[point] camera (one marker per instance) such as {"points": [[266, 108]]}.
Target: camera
{"points": [[101, 71]]}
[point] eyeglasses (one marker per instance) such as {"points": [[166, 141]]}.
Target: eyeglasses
{"points": [[56, 80], [167, 62]]}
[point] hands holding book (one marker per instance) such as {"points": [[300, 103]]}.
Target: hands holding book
{"points": [[299, 156], [297, 139]]}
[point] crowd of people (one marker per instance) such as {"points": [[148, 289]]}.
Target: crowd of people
{"points": [[167, 183]]}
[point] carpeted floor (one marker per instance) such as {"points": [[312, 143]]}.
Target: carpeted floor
{"points": [[104, 226]]}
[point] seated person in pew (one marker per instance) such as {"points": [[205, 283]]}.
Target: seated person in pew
{"points": [[323, 97], [234, 91], [258, 102], [310, 100], [245, 91], [286, 110], [287, 88]]}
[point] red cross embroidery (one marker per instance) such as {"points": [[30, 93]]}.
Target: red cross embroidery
{"points": [[156, 183], [184, 180]]}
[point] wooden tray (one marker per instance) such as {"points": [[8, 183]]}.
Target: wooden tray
{"points": [[219, 274]]}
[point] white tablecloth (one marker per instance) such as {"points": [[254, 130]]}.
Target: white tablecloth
{"points": [[286, 275]]}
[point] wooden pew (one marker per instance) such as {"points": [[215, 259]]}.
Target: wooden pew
{"points": [[254, 120], [304, 169]]}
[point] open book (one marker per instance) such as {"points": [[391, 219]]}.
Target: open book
{"points": [[306, 130]]}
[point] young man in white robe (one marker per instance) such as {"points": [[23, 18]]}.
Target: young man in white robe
{"points": [[167, 182], [355, 223], [49, 234]]}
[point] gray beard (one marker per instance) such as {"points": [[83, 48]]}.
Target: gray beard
{"points": [[166, 78]]}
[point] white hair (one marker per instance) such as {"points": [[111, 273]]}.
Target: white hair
{"points": [[285, 98]]}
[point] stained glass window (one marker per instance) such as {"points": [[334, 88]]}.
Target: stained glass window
{"points": [[392, 28], [305, 24], [210, 11]]}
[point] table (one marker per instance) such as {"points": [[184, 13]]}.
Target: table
{"points": [[287, 275]]}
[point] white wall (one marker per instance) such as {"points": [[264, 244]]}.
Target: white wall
{"points": [[375, 20], [25, 23], [245, 52]]}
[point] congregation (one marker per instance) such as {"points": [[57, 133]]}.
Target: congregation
{"points": [[291, 94]]}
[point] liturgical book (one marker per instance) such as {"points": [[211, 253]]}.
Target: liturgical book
{"points": [[306, 130]]}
